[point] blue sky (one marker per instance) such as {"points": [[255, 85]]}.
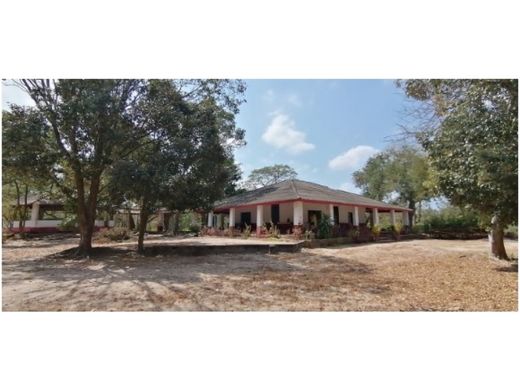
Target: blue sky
{"points": [[325, 129]]}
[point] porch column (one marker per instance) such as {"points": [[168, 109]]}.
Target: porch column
{"points": [[375, 216], [210, 219], [356, 216], [406, 220], [219, 221], [35, 213], [259, 218], [331, 214], [298, 213], [232, 217], [392, 217]]}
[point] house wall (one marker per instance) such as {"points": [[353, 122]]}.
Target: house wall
{"points": [[286, 212]]}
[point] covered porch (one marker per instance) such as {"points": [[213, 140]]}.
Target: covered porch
{"points": [[286, 215]]}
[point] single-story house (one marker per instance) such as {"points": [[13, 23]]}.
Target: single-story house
{"points": [[45, 216], [297, 202]]}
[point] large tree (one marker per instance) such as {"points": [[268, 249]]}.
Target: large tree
{"points": [[471, 137], [400, 175], [272, 174], [188, 166], [91, 124]]}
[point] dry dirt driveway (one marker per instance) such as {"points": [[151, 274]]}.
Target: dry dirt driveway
{"points": [[409, 276]]}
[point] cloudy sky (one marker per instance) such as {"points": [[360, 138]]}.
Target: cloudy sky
{"points": [[325, 129]]}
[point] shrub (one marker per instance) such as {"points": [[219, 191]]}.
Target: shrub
{"points": [[450, 219], [274, 232], [353, 234], [376, 231], [113, 234], [397, 229], [194, 229], [512, 232], [324, 228], [69, 223], [246, 233]]}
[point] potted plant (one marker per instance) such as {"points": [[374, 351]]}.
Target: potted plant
{"points": [[397, 228], [376, 231]]}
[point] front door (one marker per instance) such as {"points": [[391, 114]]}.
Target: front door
{"points": [[336, 215], [275, 213], [245, 218]]}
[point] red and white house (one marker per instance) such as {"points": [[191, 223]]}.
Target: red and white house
{"points": [[295, 202]]}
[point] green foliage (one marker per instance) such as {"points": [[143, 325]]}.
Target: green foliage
{"points": [[397, 228], [474, 143], [160, 139], [69, 222], [246, 233], [376, 230], [451, 220], [273, 231], [353, 234], [324, 228], [194, 228], [404, 171], [265, 176]]}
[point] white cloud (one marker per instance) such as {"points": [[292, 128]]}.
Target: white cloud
{"points": [[353, 158], [282, 134]]}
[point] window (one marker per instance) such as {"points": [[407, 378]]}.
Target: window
{"points": [[336, 215], [351, 218]]}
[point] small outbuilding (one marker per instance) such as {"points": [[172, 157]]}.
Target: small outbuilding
{"points": [[300, 203]]}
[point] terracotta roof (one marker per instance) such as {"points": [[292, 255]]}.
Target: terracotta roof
{"points": [[291, 190]]}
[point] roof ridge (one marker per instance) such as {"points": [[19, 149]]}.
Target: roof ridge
{"points": [[294, 188]]}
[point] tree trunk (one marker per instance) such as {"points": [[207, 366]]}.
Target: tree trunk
{"points": [[86, 213], [143, 221], [411, 205], [496, 239]]}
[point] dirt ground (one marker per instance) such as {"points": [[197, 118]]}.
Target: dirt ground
{"points": [[409, 276]]}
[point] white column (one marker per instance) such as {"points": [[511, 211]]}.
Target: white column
{"points": [[232, 217], [210, 219], [331, 214], [406, 220], [259, 217], [392, 217], [219, 221], [298, 213], [356, 216], [375, 216], [35, 212]]}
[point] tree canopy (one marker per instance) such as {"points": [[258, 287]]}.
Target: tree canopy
{"points": [[88, 126], [272, 174], [472, 142], [399, 175]]}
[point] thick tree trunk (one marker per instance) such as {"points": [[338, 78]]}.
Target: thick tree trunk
{"points": [[411, 219], [143, 221], [496, 239], [86, 209]]}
